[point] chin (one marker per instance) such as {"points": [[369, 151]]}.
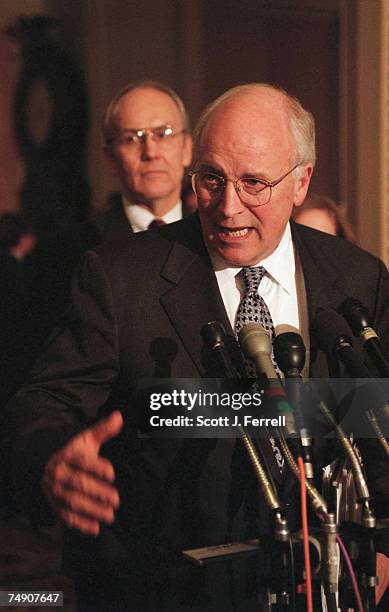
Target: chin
{"points": [[237, 257]]}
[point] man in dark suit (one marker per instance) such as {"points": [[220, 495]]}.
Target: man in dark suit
{"points": [[138, 308], [148, 145]]}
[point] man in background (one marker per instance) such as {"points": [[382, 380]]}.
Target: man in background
{"points": [[148, 145]]}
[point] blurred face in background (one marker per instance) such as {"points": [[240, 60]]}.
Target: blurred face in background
{"points": [[150, 168], [320, 219]]}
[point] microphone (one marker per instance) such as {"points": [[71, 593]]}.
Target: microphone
{"points": [[289, 353], [334, 337], [289, 350], [359, 319], [256, 344], [214, 335]]}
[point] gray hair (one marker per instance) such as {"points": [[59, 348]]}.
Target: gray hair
{"points": [[302, 123], [107, 124]]}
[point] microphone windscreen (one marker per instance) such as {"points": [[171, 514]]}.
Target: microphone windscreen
{"points": [[289, 349], [328, 327], [356, 315], [253, 339]]}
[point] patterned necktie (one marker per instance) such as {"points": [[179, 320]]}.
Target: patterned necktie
{"points": [[156, 223], [253, 309]]}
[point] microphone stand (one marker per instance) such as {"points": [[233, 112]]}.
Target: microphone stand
{"points": [[371, 416], [362, 534], [278, 592], [257, 345], [289, 352]]}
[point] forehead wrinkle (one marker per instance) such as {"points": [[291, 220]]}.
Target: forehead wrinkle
{"points": [[235, 161]]}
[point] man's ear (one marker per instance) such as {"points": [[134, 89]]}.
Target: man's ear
{"points": [[302, 184], [187, 151], [111, 159]]}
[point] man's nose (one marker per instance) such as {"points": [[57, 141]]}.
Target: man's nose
{"points": [[149, 147], [229, 202]]}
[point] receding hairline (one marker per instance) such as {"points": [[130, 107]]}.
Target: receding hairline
{"points": [[109, 114], [240, 91], [291, 105]]}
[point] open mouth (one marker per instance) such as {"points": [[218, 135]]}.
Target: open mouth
{"points": [[231, 233]]}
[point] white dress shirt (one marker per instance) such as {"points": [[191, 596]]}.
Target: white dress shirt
{"points": [[282, 288], [140, 218]]}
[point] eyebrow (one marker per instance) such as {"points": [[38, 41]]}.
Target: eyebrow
{"points": [[253, 175], [129, 129], [204, 166], [141, 129]]}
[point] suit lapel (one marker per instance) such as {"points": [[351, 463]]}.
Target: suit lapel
{"points": [[320, 277], [120, 224], [324, 288], [193, 301], [194, 298]]}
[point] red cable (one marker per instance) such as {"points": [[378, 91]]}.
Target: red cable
{"points": [[304, 519]]}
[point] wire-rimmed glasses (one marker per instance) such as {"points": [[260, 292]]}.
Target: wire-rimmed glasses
{"points": [[252, 191]]}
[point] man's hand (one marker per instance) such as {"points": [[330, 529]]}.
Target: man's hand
{"points": [[77, 481]]}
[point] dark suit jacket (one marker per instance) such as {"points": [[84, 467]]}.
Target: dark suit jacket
{"points": [[113, 223], [138, 308]]}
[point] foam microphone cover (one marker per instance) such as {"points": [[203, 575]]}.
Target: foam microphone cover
{"points": [[356, 315], [329, 327]]}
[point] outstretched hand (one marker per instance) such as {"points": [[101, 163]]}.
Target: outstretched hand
{"points": [[77, 481]]}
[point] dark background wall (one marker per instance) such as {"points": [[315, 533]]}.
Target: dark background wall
{"points": [[291, 46], [201, 48]]}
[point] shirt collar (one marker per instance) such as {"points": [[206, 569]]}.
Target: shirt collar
{"points": [[280, 265], [140, 217]]}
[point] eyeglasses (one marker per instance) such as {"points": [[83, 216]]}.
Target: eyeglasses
{"points": [[251, 191], [163, 135]]}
